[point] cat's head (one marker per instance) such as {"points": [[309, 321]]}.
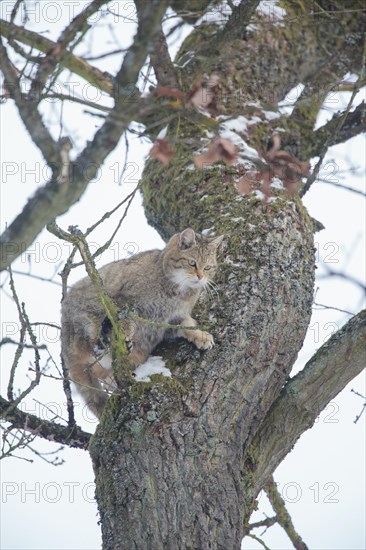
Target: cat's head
{"points": [[190, 259]]}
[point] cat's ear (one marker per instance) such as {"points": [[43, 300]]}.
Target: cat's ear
{"points": [[187, 239], [216, 241]]}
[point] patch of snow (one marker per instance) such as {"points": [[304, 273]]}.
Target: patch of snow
{"points": [[217, 14], [241, 219], [230, 262], [276, 183], [163, 133], [272, 10], [254, 120], [259, 194], [153, 365], [190, 55], [238, 124], [209, 231], [243, 148], [106, 361], [271, 115], [287, 105]]}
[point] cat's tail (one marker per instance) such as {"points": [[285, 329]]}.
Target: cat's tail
{"points": [[82, 373]]}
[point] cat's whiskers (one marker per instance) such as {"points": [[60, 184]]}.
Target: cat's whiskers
{"points": [[213, 287]]}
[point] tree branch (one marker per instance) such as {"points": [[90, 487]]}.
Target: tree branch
{"points": [[238, 20], [282, 516], [353, 125], [333, 366], [75, 64], [162, 63], [119, 118], [57, 52], [71, 436], [53, 200], [29, 114]]}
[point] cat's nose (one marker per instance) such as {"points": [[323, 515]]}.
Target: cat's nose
{"points": [[200, 274]]}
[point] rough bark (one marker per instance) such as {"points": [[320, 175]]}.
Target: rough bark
{"points": [[179, 462], [176, 461], [186, 445]]}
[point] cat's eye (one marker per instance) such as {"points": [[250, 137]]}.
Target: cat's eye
{"points": [[208, 267], [192, 263]]}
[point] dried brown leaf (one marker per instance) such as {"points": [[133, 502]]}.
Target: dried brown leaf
{"points": [[285, 166], [204, 96], [220, 149], [165, 91], [161, 151]]}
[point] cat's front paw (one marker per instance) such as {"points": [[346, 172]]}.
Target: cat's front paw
{"points": [[202, 339]]}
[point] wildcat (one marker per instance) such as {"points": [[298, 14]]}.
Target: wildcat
{"points": [[160, 285]]}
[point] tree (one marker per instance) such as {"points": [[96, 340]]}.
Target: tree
{"points": [[183, 460]]}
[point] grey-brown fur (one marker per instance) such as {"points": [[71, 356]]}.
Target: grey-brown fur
{"points": [[160, 285]]}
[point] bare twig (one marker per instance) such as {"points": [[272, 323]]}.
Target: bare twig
{"points": [[283, 517], [258, 540], [77, 65], [72, 437], [119, 348], [341, 186], [267, 522], [363, 407], [330, 132], [323, 306], [38, 277], [29, 114], [55, 55], [51, 201], [26, 327], [341, 275]]}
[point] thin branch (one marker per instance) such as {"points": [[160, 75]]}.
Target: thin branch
{"points": [[77, 65], [267, 522], [363, 407], [51, 200], [74, 99], [29, 114], [68, 394], [38, 277], [238, 21], [332, 133], [71, 436], [56, 54], [282, 515], [117, 336], [323, 306], [162, 64], [341, 127], [341, 275], [5, 341], [254, 537], [341, 186], [26, 326]]}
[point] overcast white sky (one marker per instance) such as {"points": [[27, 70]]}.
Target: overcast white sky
{"points": [[322, 480]]}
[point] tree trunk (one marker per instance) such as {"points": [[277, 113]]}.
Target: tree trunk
{"points": [[174, 461], [179, 450]]}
